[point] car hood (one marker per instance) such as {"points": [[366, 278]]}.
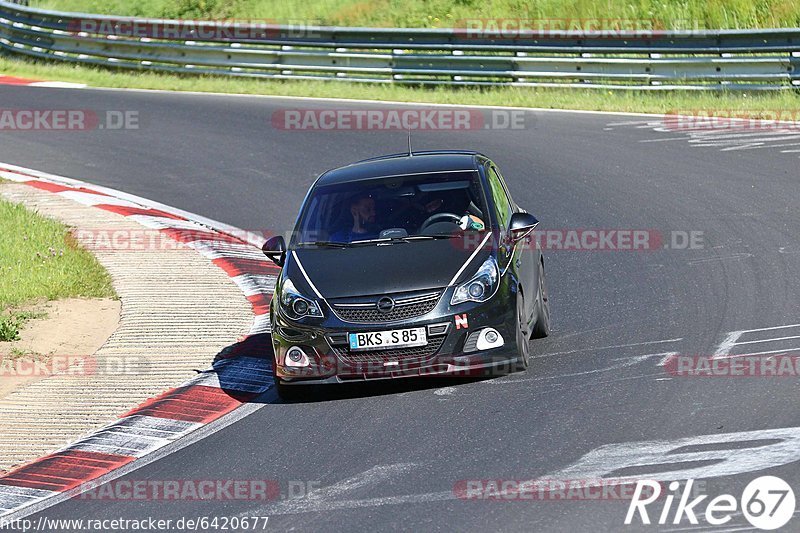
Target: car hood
{"points": [[400, 267]]}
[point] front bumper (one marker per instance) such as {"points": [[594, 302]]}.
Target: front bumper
{"points": [[450, 350]]}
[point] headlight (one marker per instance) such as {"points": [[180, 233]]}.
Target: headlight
{"points": [[481, 287], [297, 305]]}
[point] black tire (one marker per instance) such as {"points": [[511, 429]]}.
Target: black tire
{"points": [[288, 393], [542, 327], [523, 349], [292, 393]]}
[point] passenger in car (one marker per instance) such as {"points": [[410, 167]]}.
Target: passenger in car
{"points": [[362, 209]]}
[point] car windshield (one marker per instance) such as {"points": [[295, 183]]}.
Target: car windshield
{"points": [[413, 207]]}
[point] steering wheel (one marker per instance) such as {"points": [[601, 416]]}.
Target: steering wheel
{"points": [[439, 217]]}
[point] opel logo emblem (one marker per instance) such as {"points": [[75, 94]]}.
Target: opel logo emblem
{"points": [[385, 305]]}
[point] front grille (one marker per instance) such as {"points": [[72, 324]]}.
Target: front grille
{"points": [[402, 355], [407, 306]]}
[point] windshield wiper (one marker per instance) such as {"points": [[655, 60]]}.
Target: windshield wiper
{"points": [[326, 244], [426, 237], [411, 238]]}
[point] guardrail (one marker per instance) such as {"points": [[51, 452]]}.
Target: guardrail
{"points": [[657, 60]]}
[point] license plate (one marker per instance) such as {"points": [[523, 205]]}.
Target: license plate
{"points": [[382, 340]]}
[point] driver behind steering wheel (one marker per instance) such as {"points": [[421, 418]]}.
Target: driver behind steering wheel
{"points": [[454, 204], [415, 213]]}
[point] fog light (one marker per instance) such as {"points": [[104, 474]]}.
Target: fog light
{"points": [[296, 357], [489, 338]]}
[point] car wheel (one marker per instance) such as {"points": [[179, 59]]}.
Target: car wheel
{"points": [[542, 327], [289, 393], [523, 350]]}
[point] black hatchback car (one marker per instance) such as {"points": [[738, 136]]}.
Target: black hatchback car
{"points": [[407, 265]]}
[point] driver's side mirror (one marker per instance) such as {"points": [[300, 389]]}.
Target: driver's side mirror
{"points": [[275, 250], [522, 224]]}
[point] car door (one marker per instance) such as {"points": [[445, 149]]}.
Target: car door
{"points": [[521, 256]]}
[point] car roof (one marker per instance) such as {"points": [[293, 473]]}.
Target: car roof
{"points": [[401, 165]]}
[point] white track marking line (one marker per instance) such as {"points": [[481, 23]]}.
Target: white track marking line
{"points": [[755, 136], [598, 348], [771, 328], [757, 143], [769, 340], [663, 140], [727, 345], [767, 352], [743, 255], [696, 457], [58, 85], [572, 386], [308, 506], [782, 145], [90, 199], [667, 356], [634, 122], [780, 134], [320, 499], [626, 362], [370, 478], [639, 358]]}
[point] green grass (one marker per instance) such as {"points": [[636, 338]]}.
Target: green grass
{"points": [[445, 13], [39, 260], [12, 322], [590, 99], [17, 353]]}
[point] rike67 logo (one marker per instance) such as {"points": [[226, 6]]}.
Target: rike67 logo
{"points": [[767, 503], [663, 496]]}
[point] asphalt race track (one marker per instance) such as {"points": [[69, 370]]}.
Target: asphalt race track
{"points": [[388, 456]]}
